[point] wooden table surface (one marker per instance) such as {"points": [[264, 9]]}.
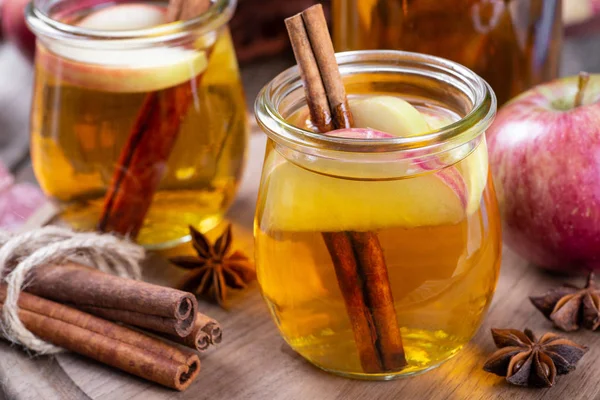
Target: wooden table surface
{"points": [[253, 362]]}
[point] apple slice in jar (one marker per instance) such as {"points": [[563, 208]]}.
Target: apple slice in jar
{"points": [[301, 200], [305, 196], [399, 118], [388, 114], [109, 69], [124, 17], [474, 169]]}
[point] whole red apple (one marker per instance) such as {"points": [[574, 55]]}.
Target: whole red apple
{"points": [[545, 159], [15, 29]]}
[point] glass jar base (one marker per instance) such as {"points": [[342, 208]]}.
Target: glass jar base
{"points": [[424, 350], [381, 377], [206, 224], [167, 223], [378, 377]]}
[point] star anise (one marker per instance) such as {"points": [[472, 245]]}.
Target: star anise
{"points": [[570, 307], [214, 271], [526, 361]]}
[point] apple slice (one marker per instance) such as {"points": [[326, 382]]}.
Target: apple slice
{"points": [[399, 118], [127, 70], [301, 200], [124, 17], [310, 195], [388, 114], [474, 169]]}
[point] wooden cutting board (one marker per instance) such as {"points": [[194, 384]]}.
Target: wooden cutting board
{"points": [[253, 362]]}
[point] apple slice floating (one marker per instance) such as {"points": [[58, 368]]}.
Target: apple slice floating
{"points": [[388, 114], [124, 17], [399, 118], [127, 70], [302, 200], [309, 196]]}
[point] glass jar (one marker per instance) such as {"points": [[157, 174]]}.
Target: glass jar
{"points": [[141, 130], [512, 44], [427, 201]]}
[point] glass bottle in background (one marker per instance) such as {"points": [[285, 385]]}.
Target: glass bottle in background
{"points": [[512, 44]]}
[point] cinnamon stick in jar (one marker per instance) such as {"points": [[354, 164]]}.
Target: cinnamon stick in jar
{"points": [[357, 257], [143, 160], [107, 342], [136, 303]]}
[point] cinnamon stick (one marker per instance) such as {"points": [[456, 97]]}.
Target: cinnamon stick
{"points": [[210, 326], [107, 342], [206, 331], [322, 47], [136, 303], [143, 159], [142, 162], [357, 257], [350, 283], [379, 299]]}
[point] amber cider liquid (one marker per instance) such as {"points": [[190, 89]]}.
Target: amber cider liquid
{"points": [[442, 276], [78, 133]]}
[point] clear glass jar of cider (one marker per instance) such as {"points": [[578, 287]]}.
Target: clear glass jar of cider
{"points": [[512, 44], [427, 201], [138, 126]]}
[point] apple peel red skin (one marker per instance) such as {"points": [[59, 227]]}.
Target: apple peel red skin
{"points": [[450, 175], [546, 168]]}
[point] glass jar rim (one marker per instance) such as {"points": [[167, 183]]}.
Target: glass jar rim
{"points": [[472, 125], [41, 23]]}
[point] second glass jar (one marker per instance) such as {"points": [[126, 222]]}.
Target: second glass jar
{"points": [[140, 130]]}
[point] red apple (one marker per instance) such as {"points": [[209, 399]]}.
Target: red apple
{"points": [[545, 159], [15, 29]]}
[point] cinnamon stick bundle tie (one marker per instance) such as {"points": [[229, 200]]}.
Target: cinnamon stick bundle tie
{"points": [[136, 303], [106, 342], [47, 327], [357, 257], [22, 253]]}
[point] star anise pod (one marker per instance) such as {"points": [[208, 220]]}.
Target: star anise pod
{"points": [[214, 271], [526, 361], [570, 307]]}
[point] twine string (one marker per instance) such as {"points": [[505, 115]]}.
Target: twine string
{"points": [[22, 252]]}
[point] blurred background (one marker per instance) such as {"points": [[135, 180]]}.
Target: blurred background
{"points": [[263, 51]]}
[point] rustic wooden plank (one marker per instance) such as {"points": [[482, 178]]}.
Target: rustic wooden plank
{"points": [[39, 378]]}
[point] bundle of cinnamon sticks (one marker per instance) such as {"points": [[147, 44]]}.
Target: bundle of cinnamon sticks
{"points": [[165, 313]]}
